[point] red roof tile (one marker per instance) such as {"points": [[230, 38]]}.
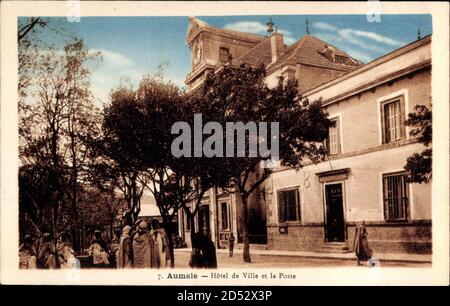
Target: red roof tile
{"points": [[307, 51]]}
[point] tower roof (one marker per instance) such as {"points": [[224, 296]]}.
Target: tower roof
{"points": [[196, 26]]}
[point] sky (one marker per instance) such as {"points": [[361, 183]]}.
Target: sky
{"points": [[133, 46]]}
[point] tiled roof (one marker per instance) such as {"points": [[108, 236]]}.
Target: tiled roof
{"points": [[308, 51], [261, 53]]}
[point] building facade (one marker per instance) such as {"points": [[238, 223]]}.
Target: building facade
{"points": [[362, 179]]}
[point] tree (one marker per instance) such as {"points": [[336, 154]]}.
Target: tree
{"points": [[419, 165], [240, 95], [54, 125], [120, 148], [137, 142], [100, 208], [28, 46], [197, 175], [24, 28]]}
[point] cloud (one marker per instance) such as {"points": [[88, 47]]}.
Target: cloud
{"points": [[324, 26], [107, 74], [257, 27], [363, 39], [115, 59], [357, 37], [247, 26], [379, 38]]}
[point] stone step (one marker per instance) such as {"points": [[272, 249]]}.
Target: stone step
{"points": [[333, 247], [326, 246], [339, 251]]}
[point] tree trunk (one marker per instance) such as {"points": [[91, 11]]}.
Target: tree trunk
{"points": [[135, 200], [168, 229], [246, 241], [191, 220]]}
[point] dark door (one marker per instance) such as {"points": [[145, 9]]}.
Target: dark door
{"points": [[203, 218], [335, 224]]}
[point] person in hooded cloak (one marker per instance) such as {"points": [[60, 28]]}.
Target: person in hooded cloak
{"points": [[161, 249], [143, 248], [125, 253], [361, 244]]}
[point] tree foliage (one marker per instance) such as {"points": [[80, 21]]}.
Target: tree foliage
{"points": [[55, 124], [419, 165], [241, 95]]}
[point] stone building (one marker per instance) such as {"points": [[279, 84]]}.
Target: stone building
{"points": [[362, 179]]}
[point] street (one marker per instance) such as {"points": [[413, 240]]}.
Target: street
{"points": [[272, 261]]}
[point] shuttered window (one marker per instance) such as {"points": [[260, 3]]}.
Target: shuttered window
{"points": [[396, 197], [393, 123], [223, 54], [332, 143], [288, 205]]}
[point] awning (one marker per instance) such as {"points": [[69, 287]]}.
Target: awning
{"points": [[333, 175]]}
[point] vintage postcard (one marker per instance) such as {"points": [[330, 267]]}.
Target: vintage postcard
{"points": [[224, 143]]}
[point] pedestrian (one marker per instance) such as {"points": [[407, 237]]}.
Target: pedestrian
{"points": [[27, 254], [98, 251], [161, 247], [143, 247], [197, 257], [203, 251], [125, 252], [65, 252], [47, 252], [114, 247], [231, 244], [361, 244], [209, 250]]}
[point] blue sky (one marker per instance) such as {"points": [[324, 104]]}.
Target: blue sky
{"points": [[132, 46]]}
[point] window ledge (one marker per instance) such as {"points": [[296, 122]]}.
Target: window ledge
{"points": [[289, 223]]}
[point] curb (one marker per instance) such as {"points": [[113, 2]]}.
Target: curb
{"points": [[346, 256]]}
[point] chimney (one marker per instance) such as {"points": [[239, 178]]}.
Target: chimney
{"points": [[276, 46], [330, 52]]}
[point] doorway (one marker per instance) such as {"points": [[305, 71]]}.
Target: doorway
{"points": [[335, 223]]}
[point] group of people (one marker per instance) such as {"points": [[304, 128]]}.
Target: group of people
{"points": [[139, 246], [142, 245], [44, 253]]}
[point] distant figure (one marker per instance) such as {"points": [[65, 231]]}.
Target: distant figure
{"points": [[99, 251], [125, 252], [161, 248], [64, 251], [231, 244], [204, 251], [143, 247], [114, 247], [27, 254], [47, 252], [361, 244]]}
